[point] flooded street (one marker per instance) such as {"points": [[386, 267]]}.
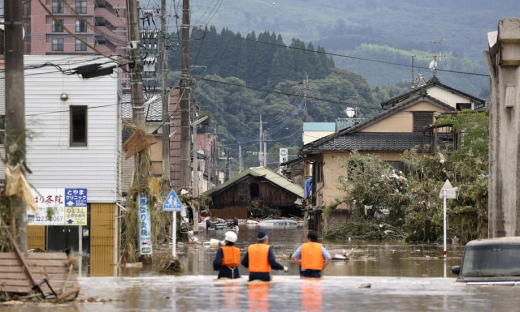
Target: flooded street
{"points": [[401, 277]]}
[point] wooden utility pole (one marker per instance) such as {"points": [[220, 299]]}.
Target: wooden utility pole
{"points": [[15, 111], [185, 98], [165, 112]]}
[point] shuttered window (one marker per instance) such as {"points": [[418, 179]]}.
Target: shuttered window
{"points": [[421, 119]]}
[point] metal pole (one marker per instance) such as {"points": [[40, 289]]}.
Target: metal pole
{"points": [[239, 158], [80, 251], [165, 111], [174, 234], [15, 111], [260, 152], [265, 149], [195, 181], [444, 213], [185, 97]]}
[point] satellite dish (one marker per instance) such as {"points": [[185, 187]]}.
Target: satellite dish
{"points": [[350, 112], [432, 66]]}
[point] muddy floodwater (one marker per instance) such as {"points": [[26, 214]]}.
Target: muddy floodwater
{"points": [[381, 276], [368, 258]]}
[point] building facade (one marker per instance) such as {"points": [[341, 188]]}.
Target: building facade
{"points": [[100, 23], [74, 143]]}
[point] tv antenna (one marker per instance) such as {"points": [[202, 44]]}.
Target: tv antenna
{"points": [[437, 53]]}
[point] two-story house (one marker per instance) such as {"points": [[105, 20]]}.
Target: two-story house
{"points": [[388, 134], [74, 143]]}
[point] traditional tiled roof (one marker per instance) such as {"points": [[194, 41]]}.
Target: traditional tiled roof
{"points": [[375, 141], [153, 111], [268, 174], [431, 83], [378, 138]]}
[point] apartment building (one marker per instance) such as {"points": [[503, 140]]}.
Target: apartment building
{"points": [[100, 23]]}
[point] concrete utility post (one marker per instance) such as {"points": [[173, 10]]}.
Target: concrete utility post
{"points": [[165, 96], [15, 111], [136, 80], [196, 172], [185, 98], [503, 61]]}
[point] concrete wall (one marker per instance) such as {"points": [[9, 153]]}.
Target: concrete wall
{"points": [[309, 136], [402, 121], [503, 59], [447, 97]]}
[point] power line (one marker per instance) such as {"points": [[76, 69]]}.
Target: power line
{"points": [[347, 56], [280, 92]]}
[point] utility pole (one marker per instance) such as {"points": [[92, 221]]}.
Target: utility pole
{"points": [[15, 111], [228, 176], [165, 111], [265, 149], [413, 73], [239, 157], [260, 159], [185, 99]]}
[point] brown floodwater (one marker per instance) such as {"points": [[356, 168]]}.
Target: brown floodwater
{"points": [[402, 277], [368, 258]]}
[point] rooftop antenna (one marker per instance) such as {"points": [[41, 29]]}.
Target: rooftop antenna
{"points": [[436, 54]]}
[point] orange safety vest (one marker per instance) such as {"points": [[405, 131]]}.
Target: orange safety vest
{"points": [[258, 258], [312, 258], [231, 256]]}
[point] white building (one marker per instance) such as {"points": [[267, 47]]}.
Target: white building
{"points": [[75, 131]]}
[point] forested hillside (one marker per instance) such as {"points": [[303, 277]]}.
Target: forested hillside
{"points": [[238, 78]]}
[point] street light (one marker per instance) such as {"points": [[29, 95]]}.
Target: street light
{"points": [[196, 173]]}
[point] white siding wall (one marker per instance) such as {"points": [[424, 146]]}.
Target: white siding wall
{"points": [[2, 112], [447, 97], [53, 162]]}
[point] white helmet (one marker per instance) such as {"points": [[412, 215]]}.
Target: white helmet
{"points": [[230, 237]]}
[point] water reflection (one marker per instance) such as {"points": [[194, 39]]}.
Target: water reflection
{"points": [[311, 295], [258, 296]]}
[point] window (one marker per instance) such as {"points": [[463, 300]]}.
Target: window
{"points": [[57, 6], [421, 119], [2, 129], [57, 27], [461, 106], [78, 125], [81, 46], [81, 7], [57, 44], [26, 9], [81, 26]]}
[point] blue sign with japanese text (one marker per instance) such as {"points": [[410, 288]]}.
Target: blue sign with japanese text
{"points": [[76, 197], [145, 229]]}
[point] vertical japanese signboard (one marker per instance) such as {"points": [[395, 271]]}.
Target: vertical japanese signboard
{"points": [[145, 230], [58, 206], [75, 206]]}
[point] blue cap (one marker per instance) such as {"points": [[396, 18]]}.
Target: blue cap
{"points": [[262, 235]]}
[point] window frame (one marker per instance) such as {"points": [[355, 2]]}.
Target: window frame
{"points": [[72, 141], [56, 28], [60, 42], [80, 7], [81, 26], [419, 119], [82, 46], [57, 6]]}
